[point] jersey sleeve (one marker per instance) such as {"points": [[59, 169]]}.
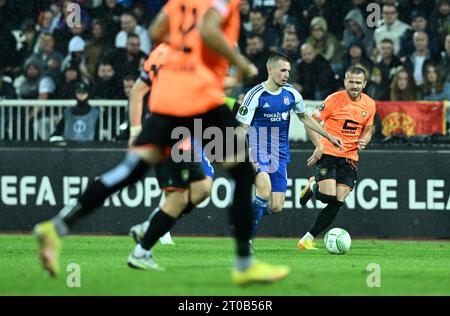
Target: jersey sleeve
{"points": [[145, 77], [247, 110], [299, 106], [326, 108]]}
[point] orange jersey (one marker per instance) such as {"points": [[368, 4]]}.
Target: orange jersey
{"points": [[346, 119], [153, 64], [191, 81], [155, 60]]}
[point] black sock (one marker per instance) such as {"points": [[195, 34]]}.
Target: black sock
{"points": [[189, 207], [325, 218], [160, 224], [241, 212], [106, 185]]}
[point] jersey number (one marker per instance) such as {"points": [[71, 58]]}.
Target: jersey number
{"points": [[186, 30]]}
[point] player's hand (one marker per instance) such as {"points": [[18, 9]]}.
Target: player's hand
{"points": [[247, 70], [317, 154], [134, 133], [362, 143], [336, 141]]}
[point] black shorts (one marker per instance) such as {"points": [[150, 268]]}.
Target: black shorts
{"points": [[157, 129], [342, 169], [178, 175]]}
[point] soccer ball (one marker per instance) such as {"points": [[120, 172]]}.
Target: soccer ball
{"points": [[337, 241]]}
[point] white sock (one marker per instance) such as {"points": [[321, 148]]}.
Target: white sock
{"points": [[140, 252], [306, 237], [166, 239]]}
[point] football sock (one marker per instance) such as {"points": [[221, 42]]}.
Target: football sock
{"points": [[325, 218], [259, 210], [160, 224], [131, 169], [140, 252], [243, 263], [189, 207], [241, 211]]}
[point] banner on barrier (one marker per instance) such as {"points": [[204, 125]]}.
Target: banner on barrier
{"points": [[411, 117]]}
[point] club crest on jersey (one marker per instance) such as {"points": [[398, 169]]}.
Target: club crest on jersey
{"points": [[243, 111], [323, 171], [286, 101], [363, 113]]}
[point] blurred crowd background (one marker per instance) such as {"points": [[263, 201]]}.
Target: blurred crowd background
{"points": [[406, 53]]}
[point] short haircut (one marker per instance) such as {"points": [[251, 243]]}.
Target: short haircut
{"points": [[258, 10], [355, 70], [131, 35], [274, 57], [387, 40]]}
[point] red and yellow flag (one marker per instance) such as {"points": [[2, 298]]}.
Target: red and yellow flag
{"points": [[411, 117]]}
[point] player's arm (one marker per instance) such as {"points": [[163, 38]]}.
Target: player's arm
{"points": [[139, 90], [365, 137], [212, 35], [316, 127], [159, 29]]}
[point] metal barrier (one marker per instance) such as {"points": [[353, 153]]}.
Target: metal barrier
{"points": [[32, 120]]}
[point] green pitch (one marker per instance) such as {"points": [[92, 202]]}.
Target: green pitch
{"points": [[201, 266]]}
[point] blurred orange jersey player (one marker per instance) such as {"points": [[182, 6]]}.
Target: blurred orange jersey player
{"points": [[193, 72]]}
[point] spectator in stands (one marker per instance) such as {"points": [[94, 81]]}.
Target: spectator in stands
{"points": [[355, 27], [47, 21], [79, 123], [264, 5], [403, 87], [375, 87], [391, 27], [281, 15], [419, 23], [315, 78], [106, 85], [97, 47], [64, 32], [331, 11], [110, 12], [27, 85], [246, 27], [258, 23], [71, 78], [29, 40], [129, 25], [388, 66], [417, 61], [257, 53], [441, 19], [47, 50], [6, 86], [409, 6], [76, 54], [434, 88], [323, 42], [47, 84], [444, 64], [355, 54], [291, 47], [127, 60]]}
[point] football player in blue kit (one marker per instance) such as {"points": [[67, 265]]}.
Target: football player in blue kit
{"points": [[265, 112]]}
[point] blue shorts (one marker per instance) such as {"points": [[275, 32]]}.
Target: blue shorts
{"points": [[278, 177]]}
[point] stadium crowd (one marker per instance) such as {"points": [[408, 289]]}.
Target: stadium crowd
{"points": [[406, 53]]}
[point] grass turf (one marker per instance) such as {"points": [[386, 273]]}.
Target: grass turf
{"points": [[201, 266]]}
